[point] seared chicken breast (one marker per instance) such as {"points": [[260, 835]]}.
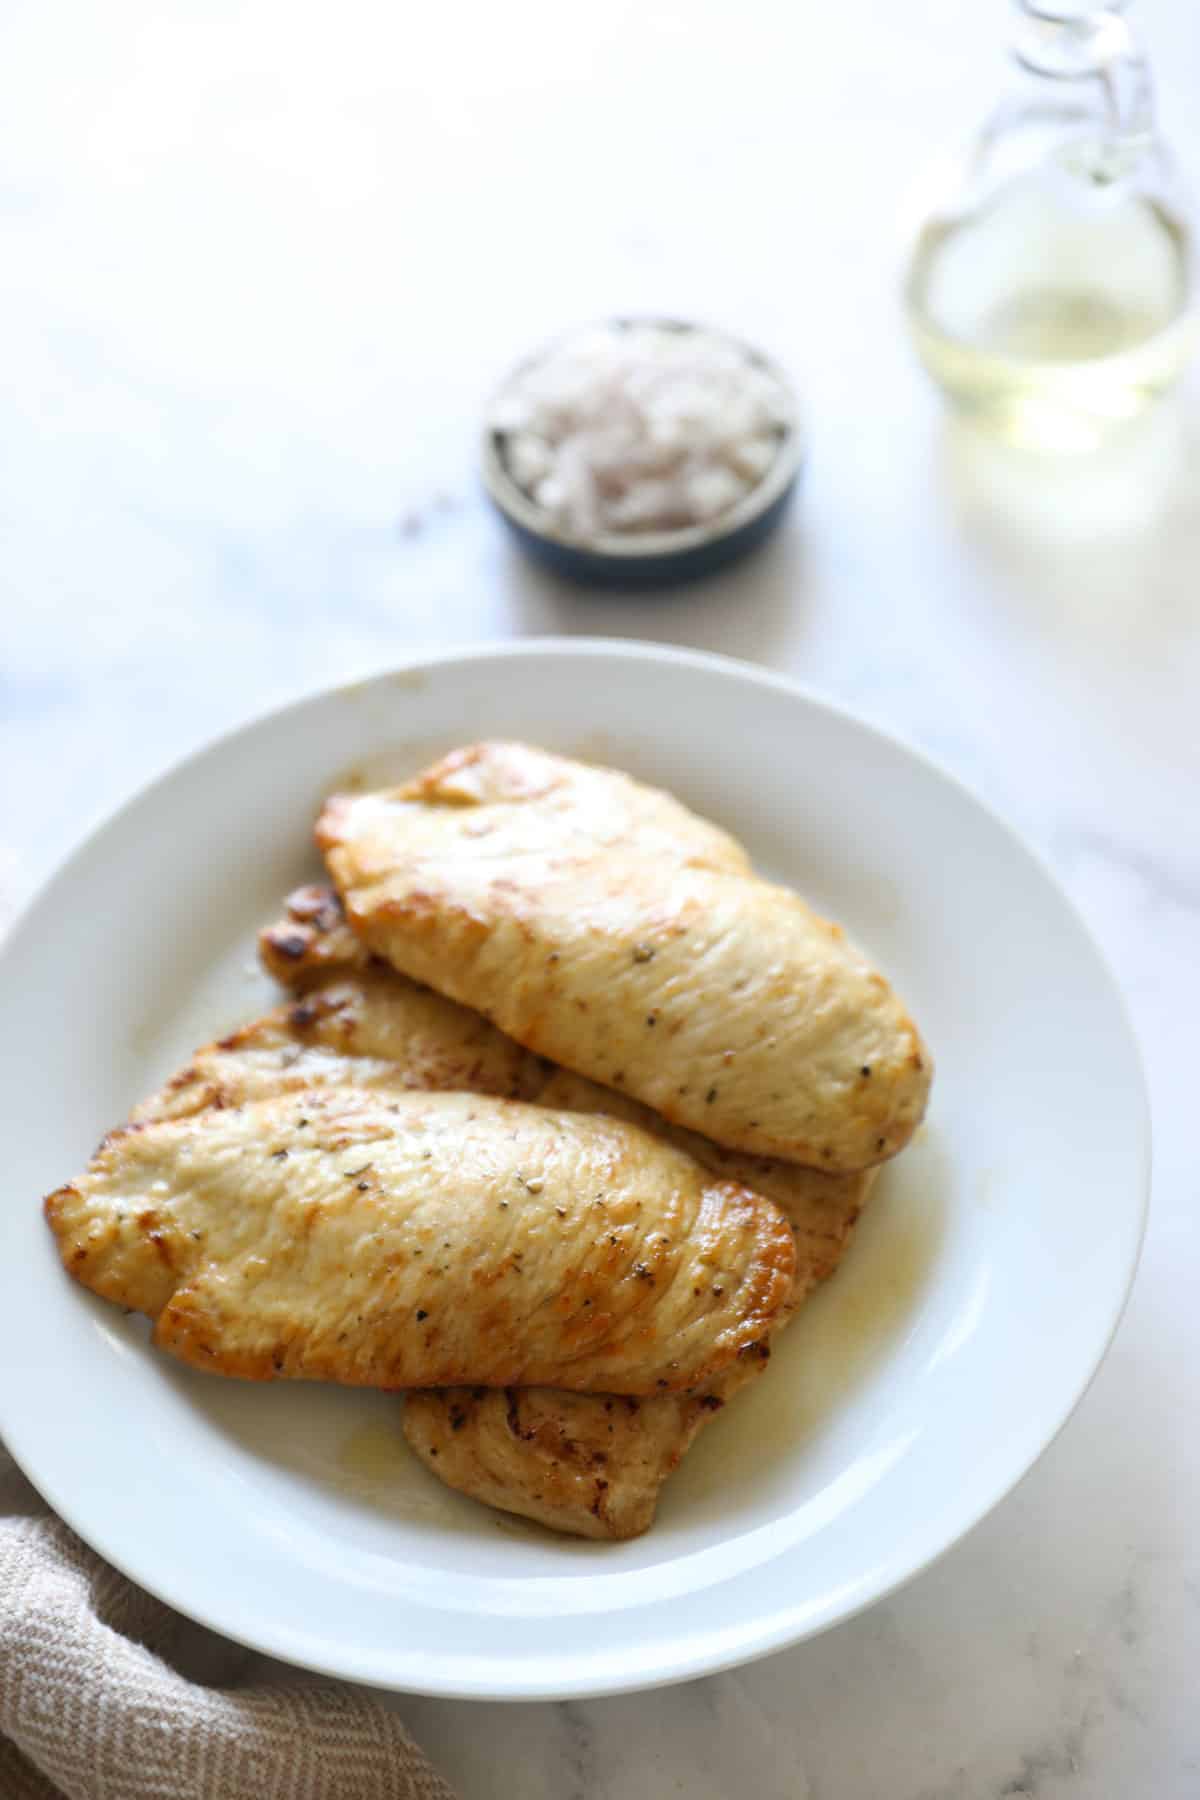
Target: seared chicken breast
{"points": [[588, 1464], [582, 1464], [599, 924], [595, 1466], [368, 1025], [585, 1464], [426, 1240]]}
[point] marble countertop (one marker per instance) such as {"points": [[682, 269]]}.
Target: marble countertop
{"points": [[261, 265]]}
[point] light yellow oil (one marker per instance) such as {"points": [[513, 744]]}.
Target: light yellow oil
{"points": [[842, 1337], [865, 1308], [1057, 312], [374, 1458], [850, 1325]]}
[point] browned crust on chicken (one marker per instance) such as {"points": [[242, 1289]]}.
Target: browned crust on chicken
{"points": [[311, 939]]}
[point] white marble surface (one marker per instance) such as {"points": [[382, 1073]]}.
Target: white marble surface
{"points": [[261, 263]]}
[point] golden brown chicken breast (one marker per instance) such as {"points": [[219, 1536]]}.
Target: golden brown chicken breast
{"points": [[595, 1465], [587, 1464], [427, 1240], [581, 1463], [600, 925]]}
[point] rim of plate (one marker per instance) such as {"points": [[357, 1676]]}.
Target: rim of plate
{"points": [[898, 1569]]}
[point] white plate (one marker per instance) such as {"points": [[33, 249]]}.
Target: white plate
{"points": [[906, 1400]]}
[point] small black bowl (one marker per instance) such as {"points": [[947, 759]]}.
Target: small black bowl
{"points": [[651, 559]]}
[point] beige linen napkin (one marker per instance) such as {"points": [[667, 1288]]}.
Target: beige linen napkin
{"points": [[106, 1694]]}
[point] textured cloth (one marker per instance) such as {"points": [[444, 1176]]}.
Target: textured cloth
{"points": [[106, 1694]]}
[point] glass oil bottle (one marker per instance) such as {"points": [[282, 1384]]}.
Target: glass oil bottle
{"points": [[1050, 284]]}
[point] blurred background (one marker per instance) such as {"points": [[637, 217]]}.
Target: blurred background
{"points": [[263, 264]]}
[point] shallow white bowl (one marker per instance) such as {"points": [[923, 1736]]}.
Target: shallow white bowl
{"points": [[906, 1400]]}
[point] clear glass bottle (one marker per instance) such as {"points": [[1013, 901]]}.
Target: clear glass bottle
{"points": [[1050, 282]]}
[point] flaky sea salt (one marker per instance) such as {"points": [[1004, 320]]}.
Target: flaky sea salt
{"points": [[640, 428]]}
